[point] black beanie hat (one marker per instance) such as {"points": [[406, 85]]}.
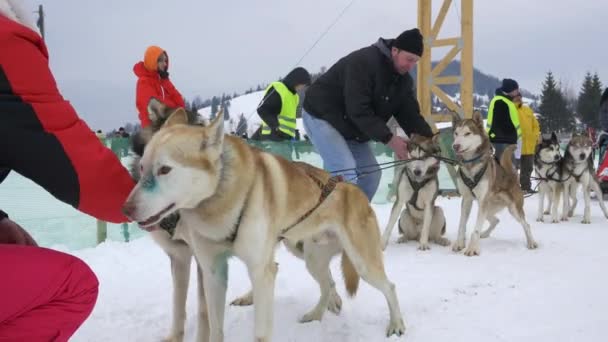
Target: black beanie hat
{"points": [[297, 76], [410, 41], [508, 85]]}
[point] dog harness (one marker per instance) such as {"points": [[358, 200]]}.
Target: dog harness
{"points": [[472, 183], [326, 190], [416, 186]]}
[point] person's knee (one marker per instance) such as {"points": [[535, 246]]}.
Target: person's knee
{"points": [[83, 286]]}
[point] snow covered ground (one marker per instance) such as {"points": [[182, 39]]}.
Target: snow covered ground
{"points": [[509, 293]]}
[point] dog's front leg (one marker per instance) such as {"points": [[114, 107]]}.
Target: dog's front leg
{"points": [[541, 201], [180, 273], [214, 264], [587, 198], [399, 203], [262, 279], [566, 202], [465, 211], [426, 227], [556, 192], [473, 247], [202, 333]]}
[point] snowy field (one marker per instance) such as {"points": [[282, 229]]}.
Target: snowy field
{"points": [[509, 293]]}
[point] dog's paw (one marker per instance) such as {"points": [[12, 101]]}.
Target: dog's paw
{"points": [[540, 219], [586, 221], [570, 213], [442, 241], [458, 246], [532, 244], [174, 338], [471, 251], [547, 212], [424, 246], [245, 300], [402, 239], [564, 218], [314, 315], [335, 302], [395, 328]]}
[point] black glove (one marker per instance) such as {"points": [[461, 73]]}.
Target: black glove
{"points": [[278, 135]]}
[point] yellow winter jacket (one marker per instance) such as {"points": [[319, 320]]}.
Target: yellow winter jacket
{"points": [[530, 130]]}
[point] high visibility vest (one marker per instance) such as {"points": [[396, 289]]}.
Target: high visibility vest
{"points": [[513, 113], [289, 105]]}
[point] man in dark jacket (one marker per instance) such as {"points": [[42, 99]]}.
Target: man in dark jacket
{"points": [[351, 103], [502, 124]]}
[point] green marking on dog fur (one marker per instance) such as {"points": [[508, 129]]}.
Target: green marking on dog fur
{"points": [[220, 266]]}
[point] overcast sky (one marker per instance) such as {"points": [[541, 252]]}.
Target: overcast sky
{"points": [[229, 45]]}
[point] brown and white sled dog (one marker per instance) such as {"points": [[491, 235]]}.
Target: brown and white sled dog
{"points": [[578, 170], [549, 169], [180, 254], [493, 185], [417, 187], [235, 200]]}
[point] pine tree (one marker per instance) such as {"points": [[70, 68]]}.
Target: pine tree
{"points": [[241, 127], [555, 115], [215, 102], [588, 102]]}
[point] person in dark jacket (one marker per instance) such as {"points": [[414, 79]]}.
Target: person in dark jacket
{"points": [[278, 107], [349, 106], [502, 124]]}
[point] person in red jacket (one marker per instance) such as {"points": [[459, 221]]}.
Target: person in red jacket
{"points": [[153, 81], [45, 295]]}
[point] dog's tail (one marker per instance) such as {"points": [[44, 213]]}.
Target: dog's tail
{"points": [[506, 160], [351, 277]]}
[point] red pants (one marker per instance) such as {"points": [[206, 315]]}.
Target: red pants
{"points": [[45, 295]]}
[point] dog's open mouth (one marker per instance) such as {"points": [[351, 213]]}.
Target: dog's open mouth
{"points": [[154, 219]]}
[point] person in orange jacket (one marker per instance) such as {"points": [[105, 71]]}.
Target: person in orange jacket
{"points": [[153, 81], [45, 295]]}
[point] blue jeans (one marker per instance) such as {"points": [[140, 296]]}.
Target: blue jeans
{"points": [[339, 154]]}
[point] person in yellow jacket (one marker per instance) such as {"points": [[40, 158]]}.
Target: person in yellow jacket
{"points": [[530, 133]]}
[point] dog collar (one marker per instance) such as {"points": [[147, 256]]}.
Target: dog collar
{"points": [[468, 161]]}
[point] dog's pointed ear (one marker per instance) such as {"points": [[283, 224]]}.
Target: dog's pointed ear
{"points": [[156, 110], [215, 130], [178, 117], [477, 118], [554, 137], [436, 138]]}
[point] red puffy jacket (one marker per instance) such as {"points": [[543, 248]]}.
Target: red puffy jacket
{"points": [[150, 84], [42, 137]]}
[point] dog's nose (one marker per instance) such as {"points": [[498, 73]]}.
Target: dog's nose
{"points": [[556, 157], [417, 172], [582, 156], [128, 209], [456, 147]]}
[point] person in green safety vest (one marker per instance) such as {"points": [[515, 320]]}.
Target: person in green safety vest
{"points": [[503, 118], [279, 105]]}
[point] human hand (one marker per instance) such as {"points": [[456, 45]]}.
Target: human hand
{"points": [[12, 233], [399, 146]]}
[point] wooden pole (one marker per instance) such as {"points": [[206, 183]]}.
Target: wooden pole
{"points": [[466, 56]]}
